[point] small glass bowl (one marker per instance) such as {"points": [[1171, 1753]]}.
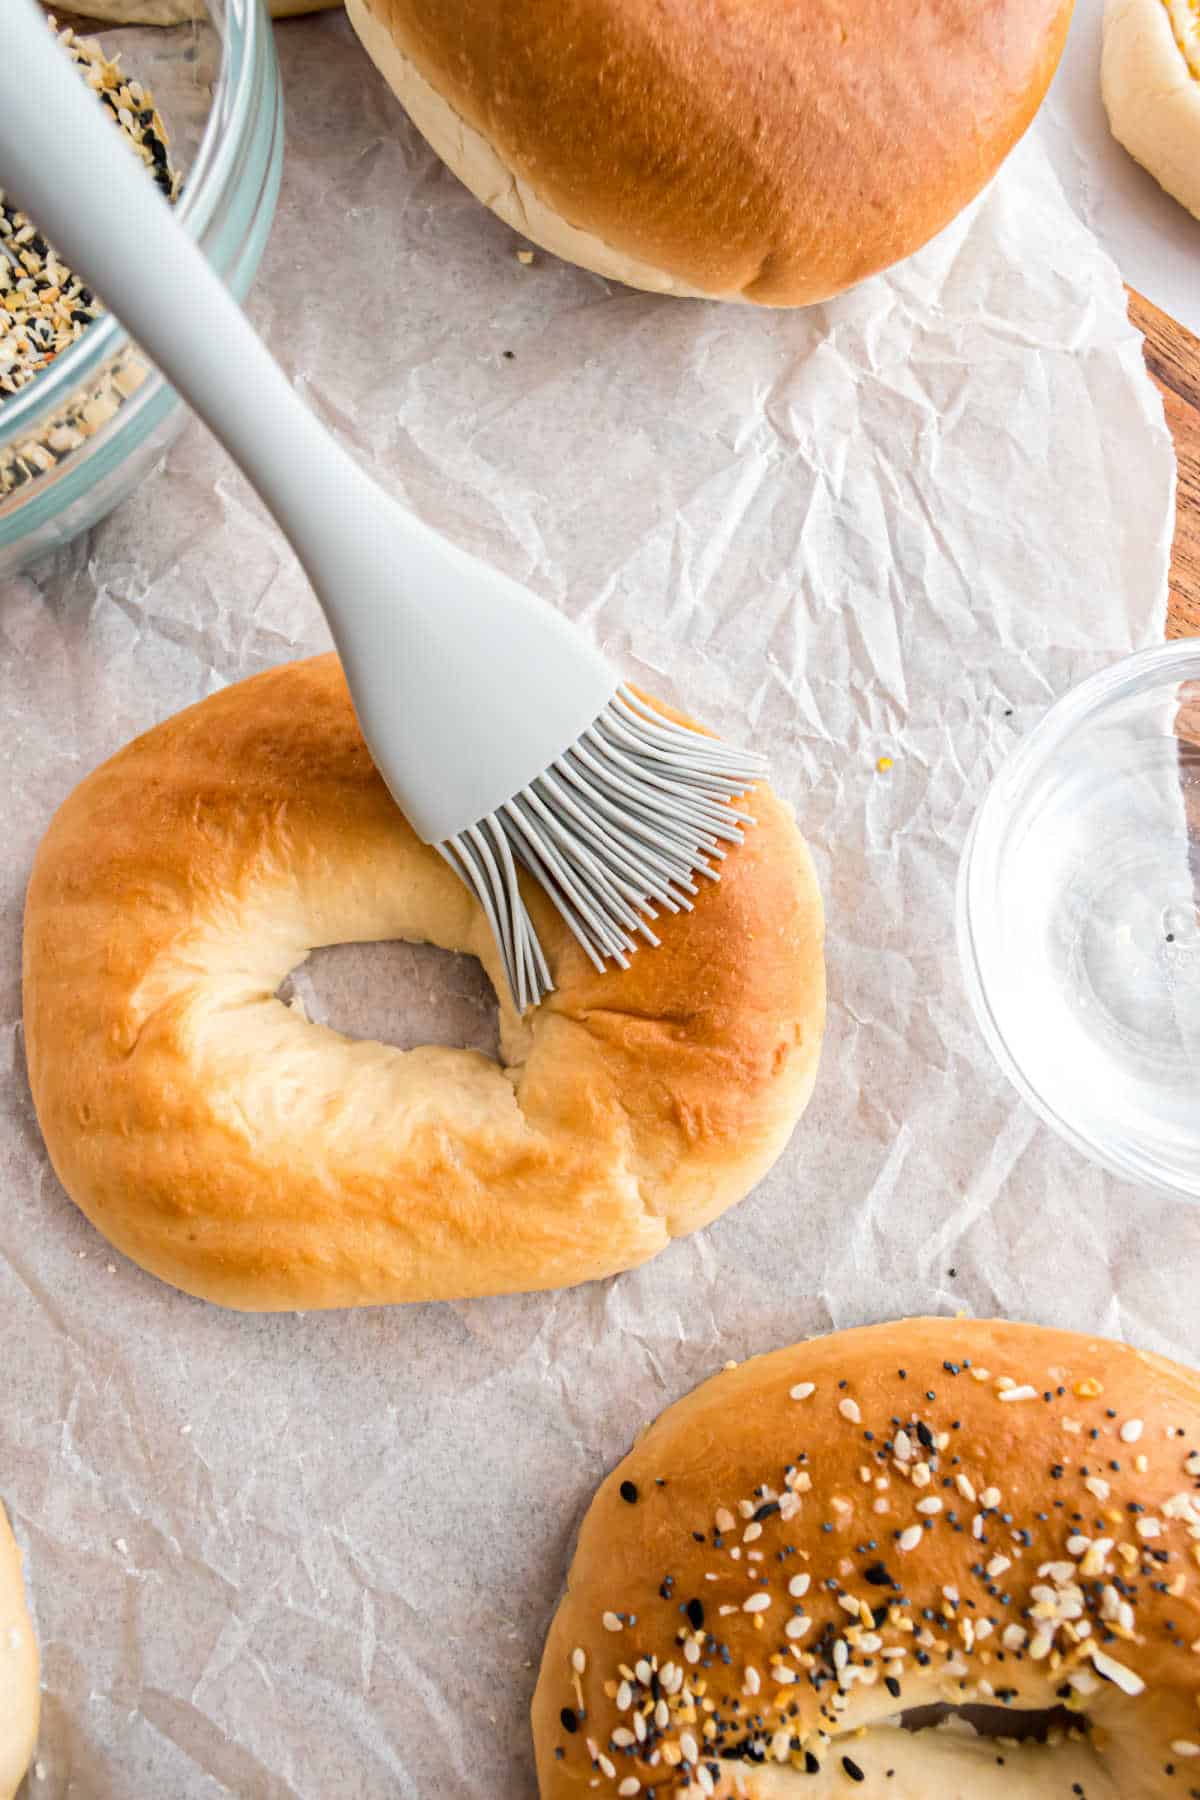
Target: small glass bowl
{"points": [[216, 84], [1078, 923]]}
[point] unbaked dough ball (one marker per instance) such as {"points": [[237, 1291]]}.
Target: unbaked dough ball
{"points": [[1150, 74]]}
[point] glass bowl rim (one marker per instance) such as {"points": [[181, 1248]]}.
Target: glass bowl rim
{"points": [[208, 176], [1081, 706]]}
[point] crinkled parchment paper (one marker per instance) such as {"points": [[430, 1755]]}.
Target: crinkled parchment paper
{"points": [[316, 1555]]}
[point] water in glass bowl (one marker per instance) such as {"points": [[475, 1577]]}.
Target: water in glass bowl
{"points": [[1078, 920]]}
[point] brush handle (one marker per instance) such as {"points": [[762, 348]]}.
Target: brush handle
{"points": [[466, 685]]}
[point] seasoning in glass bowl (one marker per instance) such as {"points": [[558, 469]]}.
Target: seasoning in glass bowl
{"points": [[44, 307]]}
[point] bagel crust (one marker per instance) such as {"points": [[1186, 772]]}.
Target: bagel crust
{"points": [[255, 1159], [940, 1511], [778, 151], [20, 1695]]}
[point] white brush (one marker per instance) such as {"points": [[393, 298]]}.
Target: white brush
{"points": [[502, 734]]}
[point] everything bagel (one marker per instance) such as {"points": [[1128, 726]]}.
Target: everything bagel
{"points": [[937, 1512], [258, 1160]]}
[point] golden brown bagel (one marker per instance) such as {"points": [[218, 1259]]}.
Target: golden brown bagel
{"points": [[253, 1158], [911, 1537], [768, 150], [20, 1696]]}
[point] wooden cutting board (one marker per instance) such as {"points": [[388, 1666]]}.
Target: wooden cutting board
{"points": [[1173, 359]]}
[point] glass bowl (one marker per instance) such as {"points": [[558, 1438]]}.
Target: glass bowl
{"points": [[216, 84], [1078, 923]]}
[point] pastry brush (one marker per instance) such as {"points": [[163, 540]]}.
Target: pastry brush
{"points": [[502, 734]]}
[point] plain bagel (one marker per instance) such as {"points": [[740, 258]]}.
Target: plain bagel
{"points": [[776, 152], [937, 1512], [20, 1695], [253, 1158]]}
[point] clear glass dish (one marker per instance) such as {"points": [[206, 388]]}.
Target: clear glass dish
{"points": [[1078, 925], [216, 84]]}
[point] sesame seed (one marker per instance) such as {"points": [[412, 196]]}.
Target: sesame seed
{"points": [[1118, 1673], [909, 1538], [849, 1410], [757, 1603], [802, 1390], [798, 1586], [1185, 1747], [1131, 1431], [1019, 1393], [611, 1622]]}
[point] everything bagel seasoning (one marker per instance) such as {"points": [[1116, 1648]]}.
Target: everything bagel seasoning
{"points": [[45, 308]]}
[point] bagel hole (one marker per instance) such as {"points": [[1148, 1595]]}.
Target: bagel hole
{"points": [[398, 993], [1033, 1723]]}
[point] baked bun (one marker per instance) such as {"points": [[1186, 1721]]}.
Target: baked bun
{"points": [[20, 1696], [233, 1148], [1150, 78], [778, 151], [942, 1511]]}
